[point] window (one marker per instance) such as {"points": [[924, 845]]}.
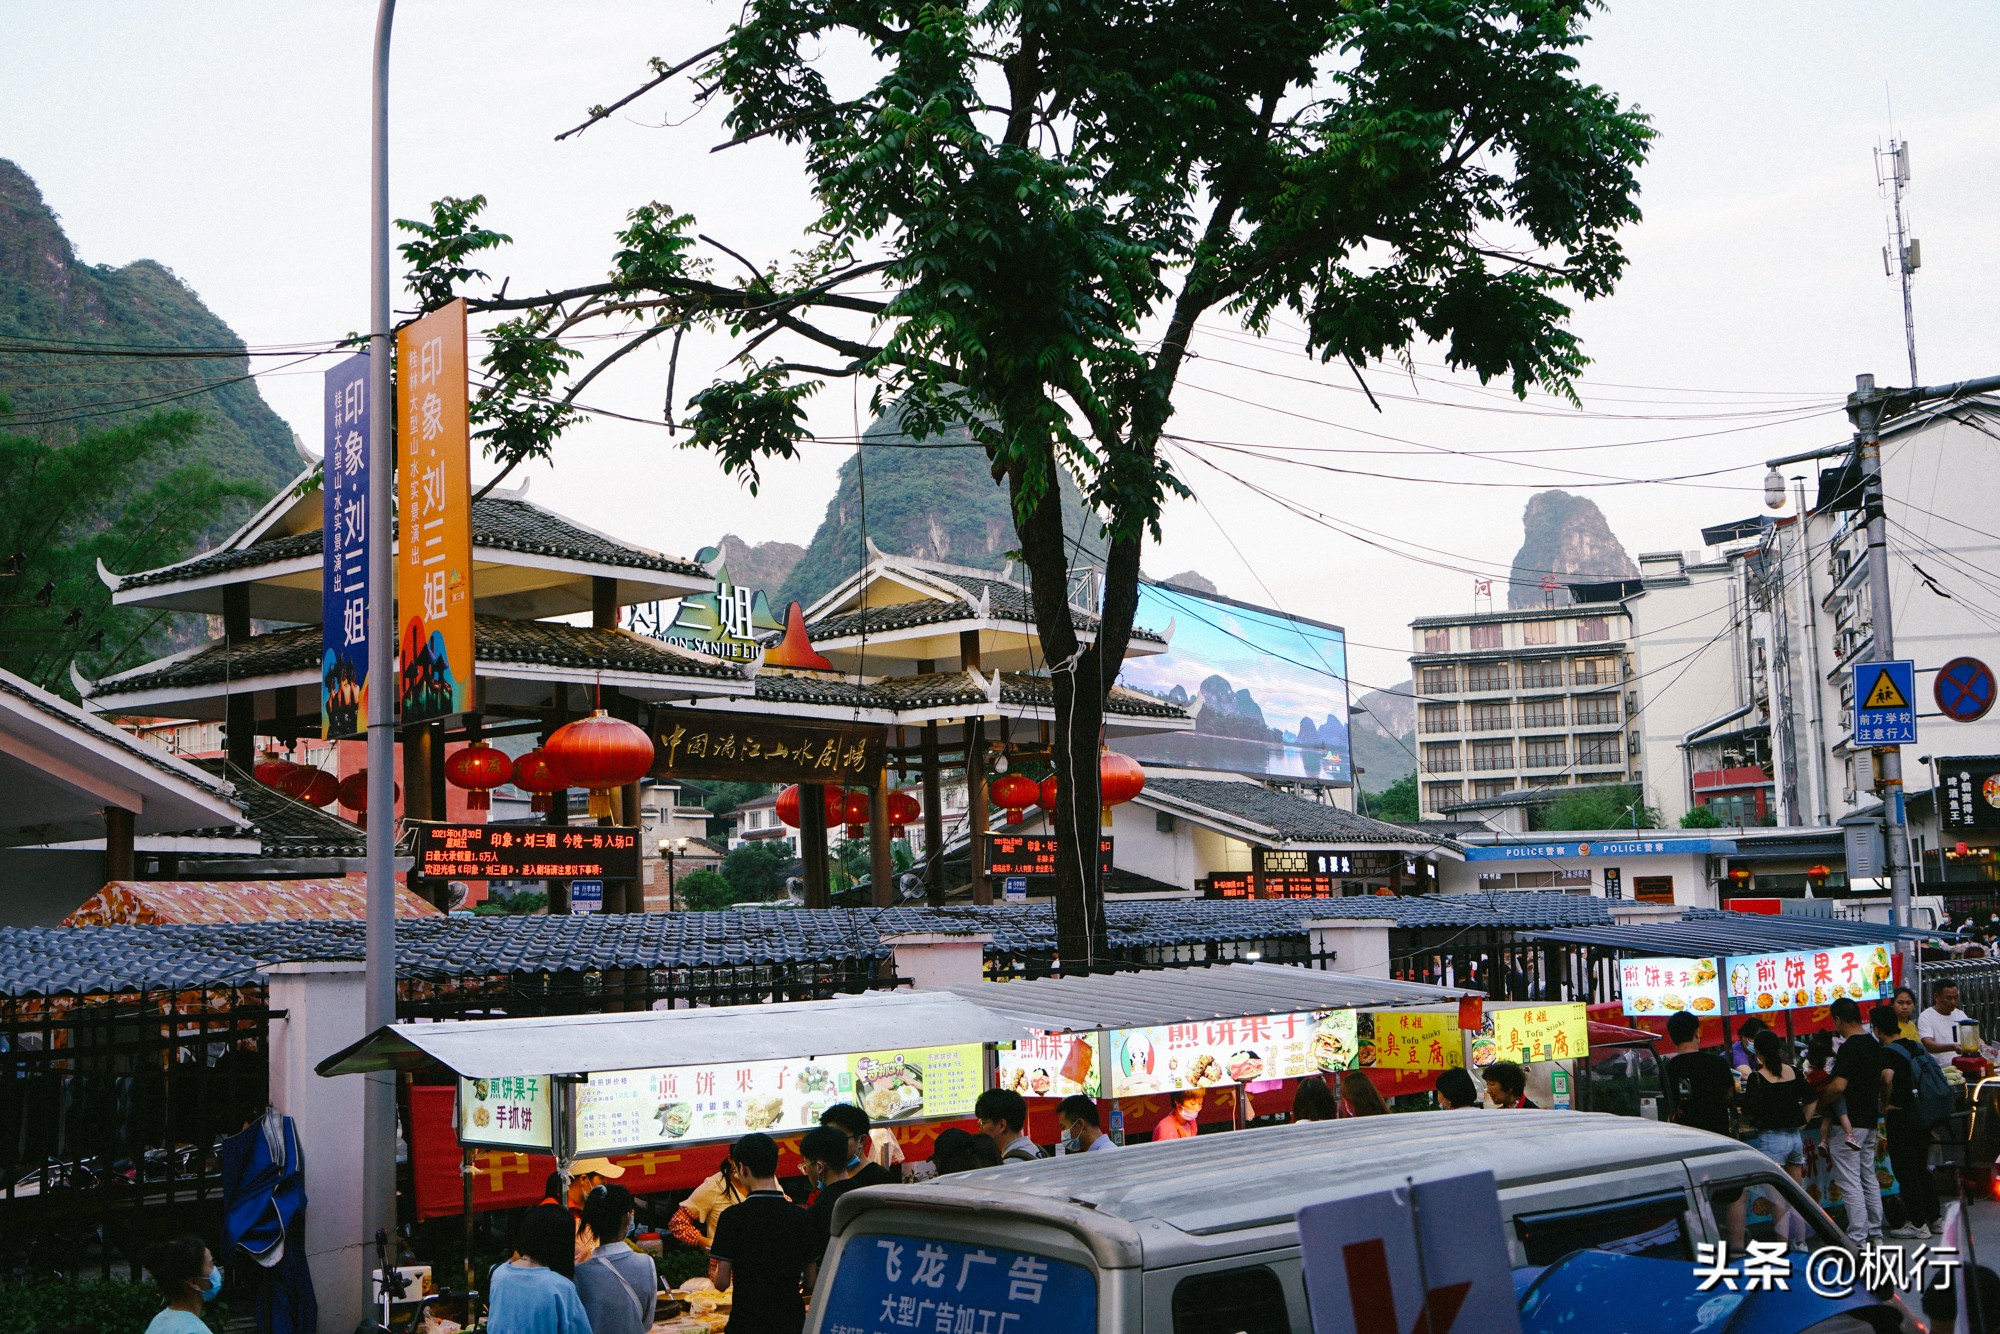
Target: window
{"points": [[1437, 796], [1593, 630], [1437, 681], [1541, 673], [1537, 633], [1492, 755], [1438, 717], [1490, 717], [1545, 781], [1653, 888], [1596, 710], [1649, 1225], [1489, 676], [1164, 822], [1492, 635], [1441, 757], [1549, 752], [1542, 713], [1598, 750], [1437, 641], [1231, 1301], [1491, 787], [1596, 671]]}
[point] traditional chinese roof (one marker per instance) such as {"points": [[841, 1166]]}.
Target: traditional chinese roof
{"points": [[531, 562], [939, 696], [60, 767], [1262, 816], [284, 826], [54, 960], [506, 649], [903, 608]]}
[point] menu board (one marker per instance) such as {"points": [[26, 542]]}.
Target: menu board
{"points": [[1662, 986], [1532, 1033], [1801, 979], [1413, 1040], [1051, 1065], [509, 1113], [1220, 1052], [627, 1110]]}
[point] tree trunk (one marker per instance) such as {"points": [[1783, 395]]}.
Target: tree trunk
{"points": [[1082, 936]]}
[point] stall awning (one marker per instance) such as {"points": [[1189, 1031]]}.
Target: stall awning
{"points": [[1732, 933], [1190, 995], [724, 1034]]}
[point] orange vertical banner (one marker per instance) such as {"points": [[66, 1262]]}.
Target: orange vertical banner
{"points": [[434, 512]]}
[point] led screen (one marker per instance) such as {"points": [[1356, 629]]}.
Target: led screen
{"points": [[1268, 691]]}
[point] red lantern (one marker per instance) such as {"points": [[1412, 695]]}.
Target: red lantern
{"points": [[857, 831], [788, 806], [601, 753], [1014, 815], [536, 774], [479, 768], [1818, 874], [1740, 875], [1119, 778], [1049, 793], [1012, 792], [903, 809], [273, 771], [322, 789], [854, 811], [353, 791]]}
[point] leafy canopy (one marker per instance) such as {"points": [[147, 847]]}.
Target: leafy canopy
{"points": [[1601, 808]]}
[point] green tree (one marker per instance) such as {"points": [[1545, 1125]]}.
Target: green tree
{"points": [[1700, 817], [1600, 808], [64, 508], [755, 871], [1025, 209], [704, 891], [1398, 801]]}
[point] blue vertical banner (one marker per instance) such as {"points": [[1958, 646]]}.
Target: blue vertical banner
{"points": [[343, 678]]}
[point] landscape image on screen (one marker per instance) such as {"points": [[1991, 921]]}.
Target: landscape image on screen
{"points": [[1268, 691]]}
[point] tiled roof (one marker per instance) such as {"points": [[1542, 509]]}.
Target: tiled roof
{"points": [[70, 715], [498, 522], [1291, 819], [495, 640], [50, 960], [939, 690], [283, 825], [1005, 601]]}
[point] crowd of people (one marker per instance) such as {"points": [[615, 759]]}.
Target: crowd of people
{"points": [[1875, 1073]]}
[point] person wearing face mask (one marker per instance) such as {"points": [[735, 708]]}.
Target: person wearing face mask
{"points": [[1077, 1117], [188, 1277], [1183, 1122]]}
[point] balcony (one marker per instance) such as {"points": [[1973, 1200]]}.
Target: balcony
{"points": [[1719, 780]]}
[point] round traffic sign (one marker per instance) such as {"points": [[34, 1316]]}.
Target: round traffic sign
{"points": [[1964, 689]]}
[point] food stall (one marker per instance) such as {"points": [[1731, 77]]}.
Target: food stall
{"points": [[1244, 1033], [670, 1090]]}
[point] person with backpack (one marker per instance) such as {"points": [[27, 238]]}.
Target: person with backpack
{"points": [[1909, 1136]]}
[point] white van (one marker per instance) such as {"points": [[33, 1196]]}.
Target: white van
{"points": [[1197, 1236]]}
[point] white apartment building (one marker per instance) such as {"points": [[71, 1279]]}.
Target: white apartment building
{"points": [[1509, 701]]}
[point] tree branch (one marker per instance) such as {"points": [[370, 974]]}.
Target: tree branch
{"points": [[601, 113]]}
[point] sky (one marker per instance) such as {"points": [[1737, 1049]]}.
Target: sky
{"points": [[228, 141]]}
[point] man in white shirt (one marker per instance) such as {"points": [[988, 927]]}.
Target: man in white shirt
{"points": [[1937, 1027], [1077, 1117]]}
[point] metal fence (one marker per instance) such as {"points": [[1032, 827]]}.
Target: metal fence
{"points": [[1505, 967], [1978, 987], [113, 1105], [1030, 965]]}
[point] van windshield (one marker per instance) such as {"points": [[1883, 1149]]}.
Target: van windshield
{"points": [[889, 1284]]}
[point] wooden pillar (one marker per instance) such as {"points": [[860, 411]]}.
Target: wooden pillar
{"points": [[1256, 873], [558, 890], [434, 771], [118, 862], [881, 857], [631, 893], [933, 820], [417, 742], [240, 706], [603, 603], [975, 804], [812, 843]]}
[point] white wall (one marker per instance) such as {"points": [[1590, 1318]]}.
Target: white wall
{"points": [[1179, 858], [1687, 667], [1688, 869]]}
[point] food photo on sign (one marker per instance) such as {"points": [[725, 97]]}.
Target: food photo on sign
{"points": [[1766, 983], [1663, 986]]}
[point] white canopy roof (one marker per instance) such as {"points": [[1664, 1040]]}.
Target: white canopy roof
{"points": [[593, 1043]]}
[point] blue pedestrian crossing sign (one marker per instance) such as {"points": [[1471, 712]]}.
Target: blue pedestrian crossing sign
{"points": [[1885, 711]]}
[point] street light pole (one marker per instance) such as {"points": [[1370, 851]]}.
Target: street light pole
{"points": [[378, 1129], [668, 848]]}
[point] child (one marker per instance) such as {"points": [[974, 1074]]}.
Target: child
{"points": [[1820, 1049]]}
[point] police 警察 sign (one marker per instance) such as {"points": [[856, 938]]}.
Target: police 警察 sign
{"points": [[1885, 710]]}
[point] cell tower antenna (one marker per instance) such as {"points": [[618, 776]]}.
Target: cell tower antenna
{"points": [[1902, 256]]}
